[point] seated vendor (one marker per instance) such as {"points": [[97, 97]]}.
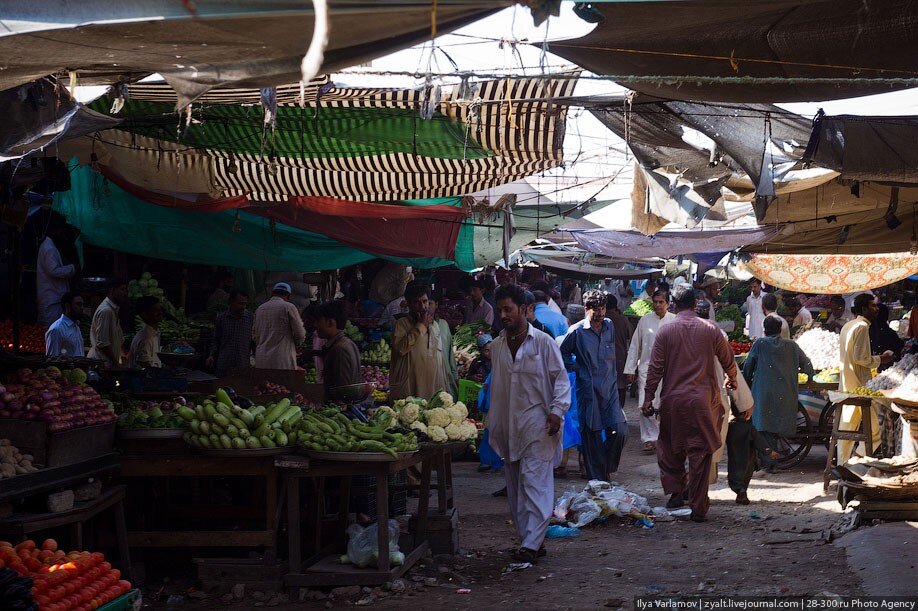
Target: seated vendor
{"points": [[480, 367], [341, 366], [145, 347]]}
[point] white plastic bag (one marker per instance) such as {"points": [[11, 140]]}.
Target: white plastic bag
{"points": [[584, 510], [563, 504], [362, 546]]}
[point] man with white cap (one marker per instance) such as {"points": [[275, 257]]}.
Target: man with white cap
{"points": [[278, 331]]}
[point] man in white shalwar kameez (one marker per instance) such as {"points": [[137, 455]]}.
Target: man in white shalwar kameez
{"points": [[639, 359], [530, 393]]}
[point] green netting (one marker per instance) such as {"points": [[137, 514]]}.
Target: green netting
{"points": [[112, 218], [300, 132]]}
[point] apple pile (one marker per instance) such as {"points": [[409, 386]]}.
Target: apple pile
{"points": [[46, 396]]}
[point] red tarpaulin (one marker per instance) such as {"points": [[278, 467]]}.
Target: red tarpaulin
{"points": [[382, 229], [393, 231]]}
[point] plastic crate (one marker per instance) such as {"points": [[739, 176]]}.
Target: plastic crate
{"points": [[132, 601], [468, 393]]}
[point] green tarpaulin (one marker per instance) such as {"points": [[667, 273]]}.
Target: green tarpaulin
{"points": [[111, 218]]}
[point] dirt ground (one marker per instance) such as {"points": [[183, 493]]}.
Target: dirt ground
{"points": [[771, 547]]}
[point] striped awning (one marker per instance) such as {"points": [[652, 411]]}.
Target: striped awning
{"points": [[356, 144]]}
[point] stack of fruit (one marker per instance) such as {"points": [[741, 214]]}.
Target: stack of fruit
{"points": [[271, 388], [740, 347], [13, 462], [222, 425], [329, 430], [312, 376], [135, 414], [31, 337], [78, 581]]}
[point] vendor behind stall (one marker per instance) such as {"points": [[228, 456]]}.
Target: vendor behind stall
{"points": [[232, 345], [481, 364], [839, 315], [341, 365], [145, 347], [63, 337], [106, 338]]}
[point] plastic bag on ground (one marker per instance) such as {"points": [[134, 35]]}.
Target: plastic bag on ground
{"points": [[362, 546], [585, 510], [563, 504]]}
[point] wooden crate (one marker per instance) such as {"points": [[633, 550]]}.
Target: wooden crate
{"points": [[62, 448], [442, 531]]}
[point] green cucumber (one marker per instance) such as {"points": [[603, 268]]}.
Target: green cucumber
{"points": [[244, 433], [205, 427], [226, 442], [199, 412], [239, 424], [279, 408], [217, 429], [224, 411], [257, 422], [209, 411], [257, 409], [204, 441], [195, 426], [281, 439], [252, 443], [266, 442], [224, 398], [186, 413], [214, 440], [221, 420], [238, 444], [244, 416], [232, 431]]}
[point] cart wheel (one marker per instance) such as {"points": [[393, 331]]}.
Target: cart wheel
{"points": [[826, 422], [792, 450]]}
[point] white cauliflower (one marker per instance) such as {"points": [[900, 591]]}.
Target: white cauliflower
{"points": [[468, 430], [437, 417], [419, 426], [458, 412], [409, 413], [453, 432], [446, 400], [436, 433]]}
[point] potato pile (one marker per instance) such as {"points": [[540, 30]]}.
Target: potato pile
{"points": [[13, 462]]}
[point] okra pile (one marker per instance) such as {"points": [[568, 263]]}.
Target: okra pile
{"points": [[328, 430]]}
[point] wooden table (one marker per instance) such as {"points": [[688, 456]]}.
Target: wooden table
{"points": [[19, 526], [324, 568], [440, 457], [196, 465]]}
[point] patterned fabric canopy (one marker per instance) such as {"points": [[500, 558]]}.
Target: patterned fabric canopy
{"points": [[832, 274]]}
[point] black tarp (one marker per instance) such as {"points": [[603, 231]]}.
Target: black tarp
{"points": [[867, 148], [840, 39]]}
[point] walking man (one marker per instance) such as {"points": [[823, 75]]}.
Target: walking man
{"points": [[639, 359], [589, 350], [691, 412], [530, 394]]}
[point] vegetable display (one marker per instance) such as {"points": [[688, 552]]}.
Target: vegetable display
{"points": [[353, 332], [821, 346], [827, 376], [16, 591], [220, 424], [312, 376], [31, 337], [75, 581], [741, 347], [375, 375], [13, 462], [439, 419], [134, 414], [329, 430], [45, 395], [465, 335], [379, 352], [731, 312], [639, 307], [901, 379]]}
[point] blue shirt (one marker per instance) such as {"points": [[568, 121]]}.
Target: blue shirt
{"points": [[64, 338], [555, 322], [592, 357]]}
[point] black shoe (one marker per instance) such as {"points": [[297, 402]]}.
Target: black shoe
{"points": [[741, 498], [542, 552], [525, 555], [676, 500], [501, 492], [698, 518]]}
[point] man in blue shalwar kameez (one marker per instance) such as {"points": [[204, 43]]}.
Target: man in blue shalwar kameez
{"points": [[592, 346], [771, 370]]}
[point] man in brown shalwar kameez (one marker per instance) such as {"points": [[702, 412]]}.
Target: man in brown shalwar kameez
{"points": [[691, 413]]}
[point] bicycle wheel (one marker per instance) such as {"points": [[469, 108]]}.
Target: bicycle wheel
{"points": [[792, 450]]}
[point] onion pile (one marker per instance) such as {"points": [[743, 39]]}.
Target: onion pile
{"points": [[901, 377], [822, 348], [376, 375], [47, 397]]}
